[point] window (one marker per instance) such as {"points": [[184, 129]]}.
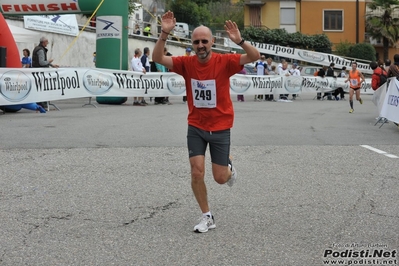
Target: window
{"points": [[287, 16], [254, 16], [333, 20]]}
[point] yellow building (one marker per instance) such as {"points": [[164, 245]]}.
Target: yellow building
{"points": [[340, 20]]}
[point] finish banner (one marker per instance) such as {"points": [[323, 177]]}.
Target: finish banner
{"points": [[27, 85], [32, 7]]}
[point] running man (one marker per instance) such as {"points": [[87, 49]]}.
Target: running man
{"points": [[210, 110], [356, 79]]}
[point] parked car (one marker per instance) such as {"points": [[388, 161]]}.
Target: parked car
{"points": [[250, 69], [309, 70]]}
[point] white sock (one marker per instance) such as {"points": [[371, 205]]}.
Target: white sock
{"points": [[207, 214]]}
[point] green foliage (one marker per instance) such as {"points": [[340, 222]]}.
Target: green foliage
{"points": [[318, 42], [380, 22], [362, 51], [205, 12], [343, 48], [234, 12]]}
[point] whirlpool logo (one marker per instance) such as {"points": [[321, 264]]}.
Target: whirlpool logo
{"points": [[97, 83], [293, 84], [239, 84], [176, 84], [15, 85]]}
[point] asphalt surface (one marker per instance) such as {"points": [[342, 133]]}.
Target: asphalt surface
{"points": [[111, 186]]}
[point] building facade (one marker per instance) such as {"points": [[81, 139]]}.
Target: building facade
{"points": [[340, 20]]}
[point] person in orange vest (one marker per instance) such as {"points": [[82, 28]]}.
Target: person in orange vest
{"points": [[356, 79]]}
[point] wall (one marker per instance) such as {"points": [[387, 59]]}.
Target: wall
{"points": [[312, 19]]}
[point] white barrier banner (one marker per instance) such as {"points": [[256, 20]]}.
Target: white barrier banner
{"points": [[62, 24], [27, 85], [390, 109], [308, 56]]}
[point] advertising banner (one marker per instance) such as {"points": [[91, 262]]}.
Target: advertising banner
{"points": [[61, 24], [390, 109], [109, 27], [320, 59], [24, 85]]}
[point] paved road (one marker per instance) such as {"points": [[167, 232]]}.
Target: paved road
{"points": [[110, 186]]}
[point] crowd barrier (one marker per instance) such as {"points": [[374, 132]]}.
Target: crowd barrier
{"points": [[24, 85]]}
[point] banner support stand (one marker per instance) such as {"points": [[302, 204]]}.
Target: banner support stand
{"points": [[89, 103]]}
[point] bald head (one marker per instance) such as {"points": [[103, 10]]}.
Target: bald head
{"points": [[202, 30], [202, 41]]}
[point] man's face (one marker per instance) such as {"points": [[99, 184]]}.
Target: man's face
{"points": [[354, 66], [45, 42], [202, 42]]}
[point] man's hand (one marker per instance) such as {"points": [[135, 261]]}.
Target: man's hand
{"points": [[168, 22], [233, 31]]}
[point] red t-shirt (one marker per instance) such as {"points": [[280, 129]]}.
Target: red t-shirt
{"points": [[215, 73]]}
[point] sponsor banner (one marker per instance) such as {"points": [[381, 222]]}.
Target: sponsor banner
{"points": [[379, 96], [24, 85], [253, 84], [309, 56], [390, 107], [109, 27], [24, 7], [62, 24]]}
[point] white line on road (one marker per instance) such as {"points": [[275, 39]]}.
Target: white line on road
{"points": [[379, 151]]}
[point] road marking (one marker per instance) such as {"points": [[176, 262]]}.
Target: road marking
{"points": [[379, 151]]}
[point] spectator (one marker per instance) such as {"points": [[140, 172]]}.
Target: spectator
{"points": [[283, 71], [268, 70], [294, 71], [39, 59], [26, 60], [94, 58], [393, 70], [329, 73], [260, 68], [137, 66], [145, 61], [387, 64], [162, 68], [240, 97], [340, 90], [147, 30], [378, 72], [321, 73], [137, 29], [187, 53]]}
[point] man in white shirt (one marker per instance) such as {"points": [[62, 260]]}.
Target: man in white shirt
{"points": [[137, 66], [260, 68]]}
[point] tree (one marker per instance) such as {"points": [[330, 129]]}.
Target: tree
{"points": [[189, 12], [317, 42], [234, 12], [362, 51], [380, 22]]}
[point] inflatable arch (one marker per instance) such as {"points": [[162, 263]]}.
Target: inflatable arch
{"points": [[111, 26]]}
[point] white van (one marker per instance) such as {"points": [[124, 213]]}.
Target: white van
{"points": [[181, 30]]}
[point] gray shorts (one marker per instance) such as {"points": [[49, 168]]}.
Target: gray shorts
{"points": [[219, 144]]}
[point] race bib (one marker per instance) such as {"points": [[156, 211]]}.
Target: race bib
{"points": [[204, 93], [354, 82]]}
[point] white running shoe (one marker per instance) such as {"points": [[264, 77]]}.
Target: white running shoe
{"points": [[233, 177], [206, 223]]}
